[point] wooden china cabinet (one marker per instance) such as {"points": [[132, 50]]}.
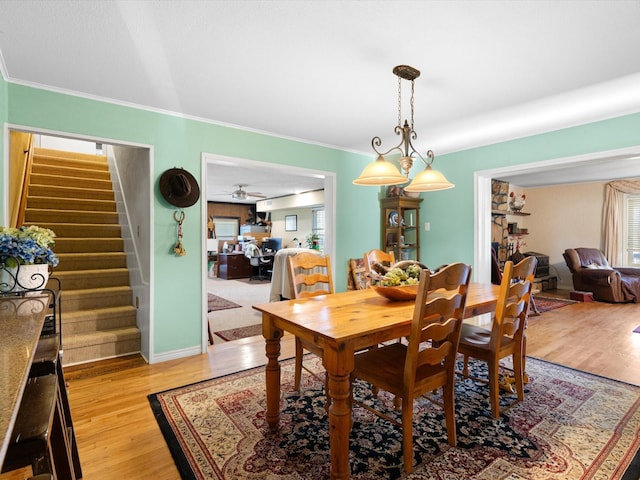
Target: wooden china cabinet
{"points": [[399, 227]]}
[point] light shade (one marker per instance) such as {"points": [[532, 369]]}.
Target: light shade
{"points": [[429, 180], [380, 173]]}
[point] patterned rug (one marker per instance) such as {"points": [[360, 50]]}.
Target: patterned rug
{"points": [[571, 425], [545, 304], [219, 303], [238, 333]]}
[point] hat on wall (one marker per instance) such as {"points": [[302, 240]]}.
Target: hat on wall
{"points": [[179, 187]]}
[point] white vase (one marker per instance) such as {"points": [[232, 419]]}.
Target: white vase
{"points": [[23, 277]]}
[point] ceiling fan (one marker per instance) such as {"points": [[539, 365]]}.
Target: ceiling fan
{"points": [[241, 194]]}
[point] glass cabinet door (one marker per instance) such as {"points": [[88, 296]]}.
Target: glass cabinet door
{"points": [[399, 220]]}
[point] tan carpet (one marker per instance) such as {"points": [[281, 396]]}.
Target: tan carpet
{"points": [[242, 292]]}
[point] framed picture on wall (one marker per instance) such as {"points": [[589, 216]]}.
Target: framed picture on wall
{"points": [[290, 223]]}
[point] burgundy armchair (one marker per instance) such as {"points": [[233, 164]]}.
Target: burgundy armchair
{"points": [[592, 273]]}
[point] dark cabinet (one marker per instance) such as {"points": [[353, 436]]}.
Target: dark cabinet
{"points": [[233, 265]]}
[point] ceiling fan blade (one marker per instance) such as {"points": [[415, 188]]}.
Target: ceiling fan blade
{"points": [[256, 194]]}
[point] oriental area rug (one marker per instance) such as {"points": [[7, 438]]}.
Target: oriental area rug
{"points": [[240, 332], [571, 425], [545, 304], [218, 303]]}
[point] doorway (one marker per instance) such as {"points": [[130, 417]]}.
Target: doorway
{"points": [[242, 167], [133, 162], [598, 166]]}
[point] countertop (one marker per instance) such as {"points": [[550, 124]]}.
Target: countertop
{"points": [[21, 321]]}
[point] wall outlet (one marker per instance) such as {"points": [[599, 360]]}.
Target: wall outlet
{"points": [[427, 226]]}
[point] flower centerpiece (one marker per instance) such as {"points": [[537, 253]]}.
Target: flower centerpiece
{"points": [[21, 248], [398, 282], [27, 246]]}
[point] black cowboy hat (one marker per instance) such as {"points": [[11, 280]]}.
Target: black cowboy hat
{"points": [[179, 187]]}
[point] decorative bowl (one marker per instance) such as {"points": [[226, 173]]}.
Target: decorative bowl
{"points": [[397, 294]]}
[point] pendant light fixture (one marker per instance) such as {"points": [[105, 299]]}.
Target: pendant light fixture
{"points": [[383, 172]]}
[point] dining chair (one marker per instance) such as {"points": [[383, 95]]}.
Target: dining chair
{"points": [[427, 362], [496, 279], [378, 256], [357, 278], [507, 335], [309, 276]]}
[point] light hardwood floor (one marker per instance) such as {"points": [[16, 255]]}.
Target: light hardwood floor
{"points": [[119, 438]]}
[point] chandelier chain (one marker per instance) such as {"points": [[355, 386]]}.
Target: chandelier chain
{"points": [[412, 83], [399, 101]]}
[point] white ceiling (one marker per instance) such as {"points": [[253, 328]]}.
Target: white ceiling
{"points": [[320, 71]]}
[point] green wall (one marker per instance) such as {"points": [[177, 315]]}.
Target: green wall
{"points": [[450, 212], [179, 142]]}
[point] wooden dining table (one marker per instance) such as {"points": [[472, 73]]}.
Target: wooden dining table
{"points": [[341, 324]]}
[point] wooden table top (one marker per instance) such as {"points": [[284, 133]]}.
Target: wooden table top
{"points": [[21, 321], [347, 315]]}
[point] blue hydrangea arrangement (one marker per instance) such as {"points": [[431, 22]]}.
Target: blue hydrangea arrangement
{"points": [[27, 245]]}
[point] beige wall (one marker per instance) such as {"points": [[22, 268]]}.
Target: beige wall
{"points": [[304, 224], [564, 216]]}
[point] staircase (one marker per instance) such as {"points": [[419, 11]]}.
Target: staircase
{"points": [[71, 194]]}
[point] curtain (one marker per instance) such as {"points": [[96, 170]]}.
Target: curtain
{"points": [[613, 217]]}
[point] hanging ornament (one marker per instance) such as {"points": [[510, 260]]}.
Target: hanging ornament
{"points": [[178, 248]]}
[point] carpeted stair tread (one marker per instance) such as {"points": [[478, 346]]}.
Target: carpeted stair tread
{"points": [[93, 165], [35, 215], [87, 321], [66, 203], [70, 192], [96, 352], [64, 154], [75, 230], [97, 296], [43, 179], [82, 315], [92, 298], [99, 337], [91, 260], [58, 170], [94, 278], [70, 294], [88, 245]]}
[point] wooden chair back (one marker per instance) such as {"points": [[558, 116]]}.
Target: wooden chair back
{"points": [[378, 256], [437, 319], [310, 275], [357, 278], [512, 309]]}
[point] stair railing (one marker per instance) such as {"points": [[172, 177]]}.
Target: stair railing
{"points": [[26, 163]]}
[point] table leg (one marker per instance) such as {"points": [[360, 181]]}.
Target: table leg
{"points": [[272, 337], [339, 365]]}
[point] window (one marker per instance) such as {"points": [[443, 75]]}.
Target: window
{"points": [[226, 228], [632, 236], [317, 225]]}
